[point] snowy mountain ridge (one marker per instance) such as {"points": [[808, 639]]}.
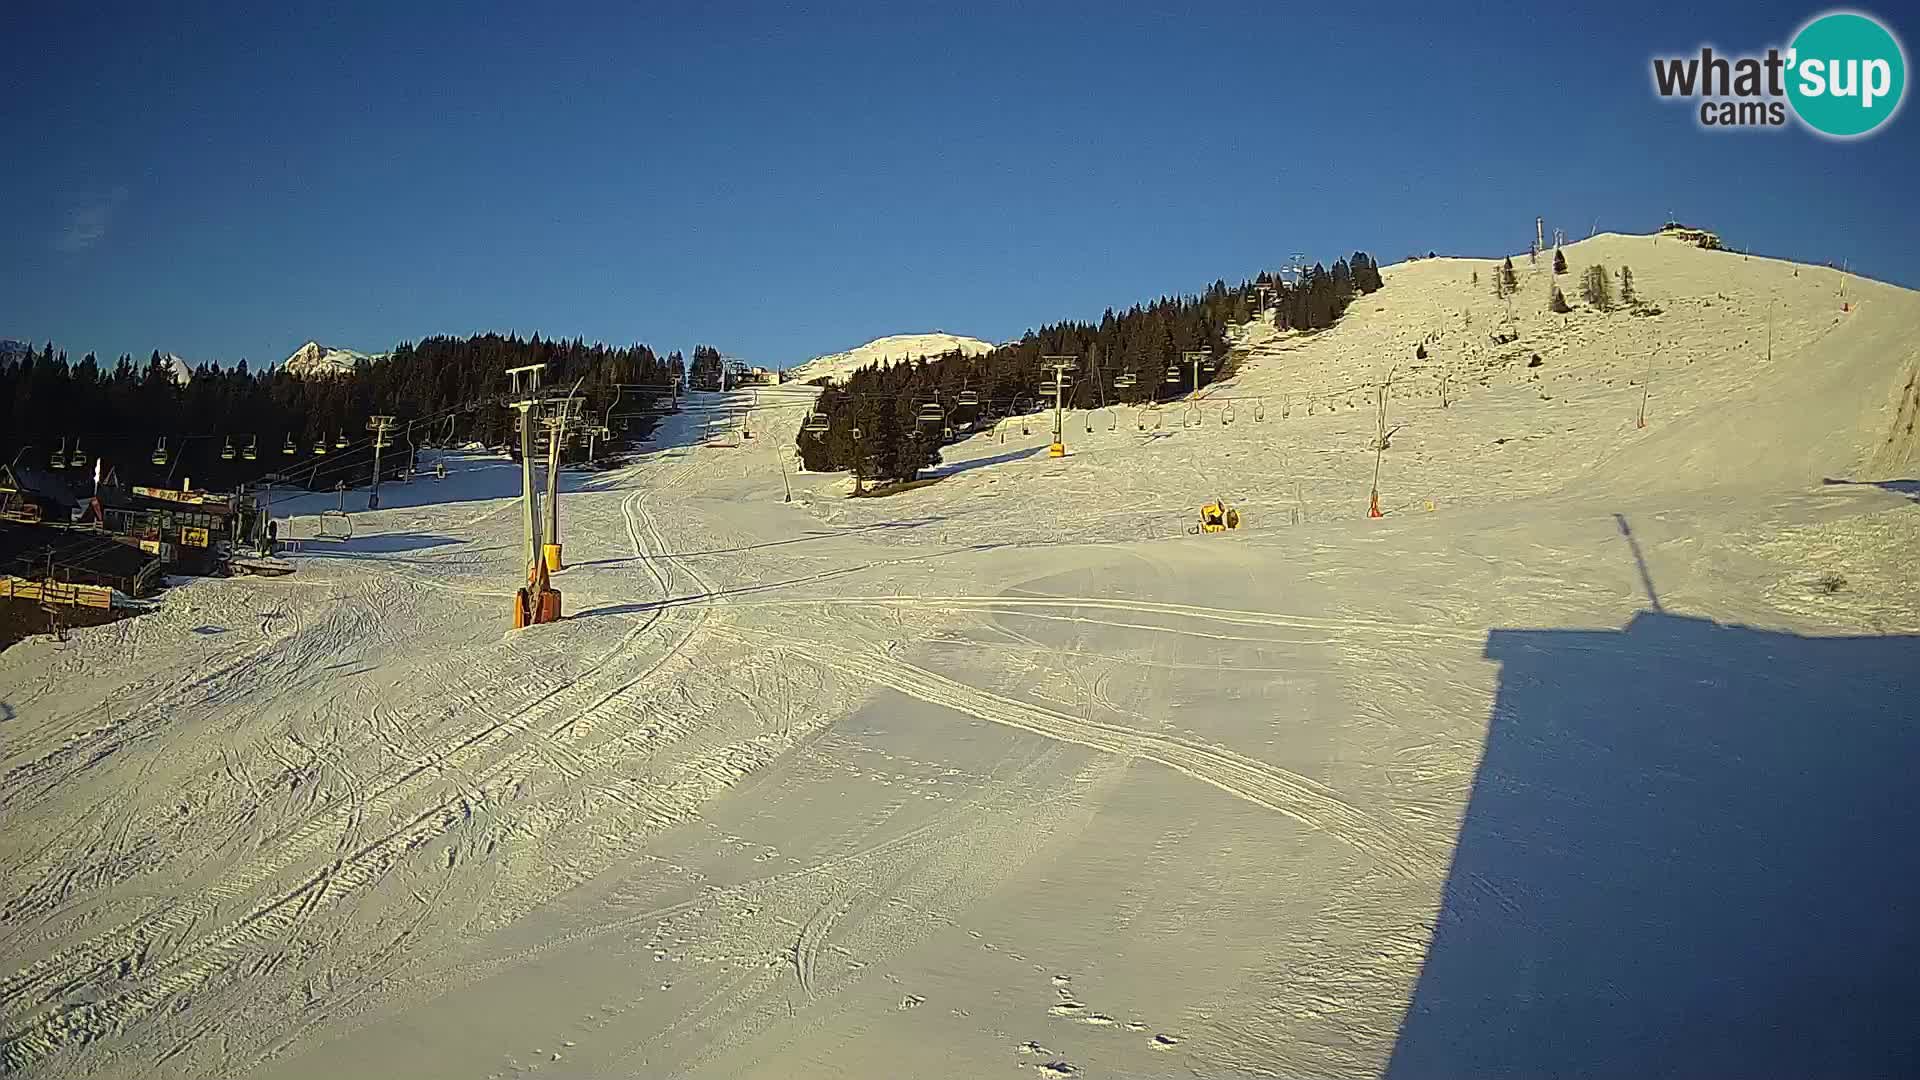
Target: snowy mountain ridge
{"points": [[887, 350], [315, 359]]}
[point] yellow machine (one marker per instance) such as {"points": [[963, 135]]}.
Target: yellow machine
{"points": [[1217, 516]]}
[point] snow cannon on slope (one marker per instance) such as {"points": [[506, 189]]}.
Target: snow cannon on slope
{"points": [[1216, 516]]}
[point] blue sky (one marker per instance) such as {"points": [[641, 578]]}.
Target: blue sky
{"points": [[781, 182]]}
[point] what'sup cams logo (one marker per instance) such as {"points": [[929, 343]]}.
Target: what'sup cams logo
{"points": [[1843, 76]]}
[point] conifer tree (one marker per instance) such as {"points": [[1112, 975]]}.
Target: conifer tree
{"points": [[1596, 287]]}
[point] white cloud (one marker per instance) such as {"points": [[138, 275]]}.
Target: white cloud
{"points": [[87, 221]]}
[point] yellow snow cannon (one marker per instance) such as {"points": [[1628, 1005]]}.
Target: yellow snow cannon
{"points": [[1217, 516]]}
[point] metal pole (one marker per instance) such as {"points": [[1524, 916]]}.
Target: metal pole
{"points": [[380, 426], [556, 436], [1057, 388], [529, 518]]}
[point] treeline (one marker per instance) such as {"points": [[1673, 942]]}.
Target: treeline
{"points": [[880, 422], [708, 371], [441, 390]]}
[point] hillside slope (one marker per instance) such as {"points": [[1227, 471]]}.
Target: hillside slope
{"points": [[1581, 760], [886, 350]]}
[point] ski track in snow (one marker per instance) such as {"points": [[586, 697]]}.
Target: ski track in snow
{"points": [[744, 779], [494, 760]]}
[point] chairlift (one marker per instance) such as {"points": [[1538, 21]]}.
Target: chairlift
{"points": [[1207, 366], [58, 459], [968, 399], [1227, 416], [1173, 373], [226, 449], [76, 457], [160, 450], [289, 449], [932, 411], [251, 452], [856, 434], [320, 447], [340, 440]]}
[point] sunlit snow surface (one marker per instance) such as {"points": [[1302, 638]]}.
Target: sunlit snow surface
{"points": [[1009, 771]]}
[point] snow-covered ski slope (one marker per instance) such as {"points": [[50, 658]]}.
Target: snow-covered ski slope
{"points": [[886, 350], [1009, 773]]}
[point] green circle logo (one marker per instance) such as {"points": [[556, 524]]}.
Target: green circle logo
{"points": [[1847, 74]]}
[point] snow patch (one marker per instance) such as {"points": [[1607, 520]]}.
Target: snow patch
{"points": [[886, 350]]}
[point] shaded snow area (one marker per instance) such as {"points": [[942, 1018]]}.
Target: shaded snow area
{"points": [[1592, 756]]}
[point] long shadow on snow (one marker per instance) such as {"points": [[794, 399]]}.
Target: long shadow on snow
{"points": [[769, 586], [1689, 851], [377, 544], [942, 471], [810, 537], [1908, 488]]}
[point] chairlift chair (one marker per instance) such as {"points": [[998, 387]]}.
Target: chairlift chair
{"points": [[320, 447], [160, 450], [1173, 373], [76, 457], [251, 452], [226, 449], [58, 459], [932, 411], [968, 399], [289, 449], [340, 440]]}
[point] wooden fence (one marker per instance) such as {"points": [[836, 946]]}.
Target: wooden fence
{"points": [[56, 592]]}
